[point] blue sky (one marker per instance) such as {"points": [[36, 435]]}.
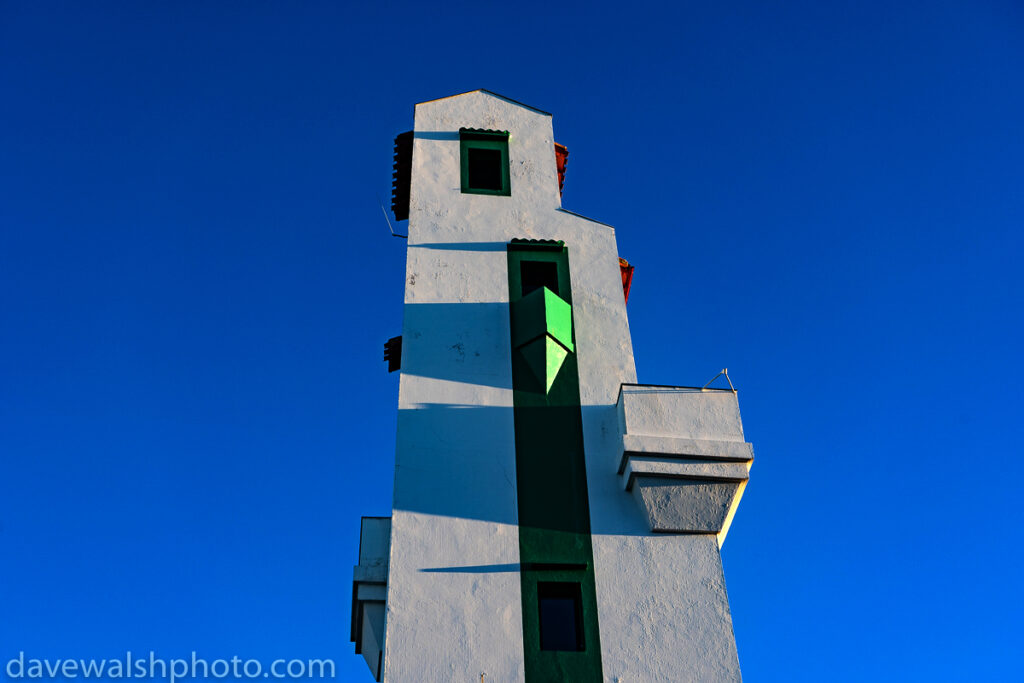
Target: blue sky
{"points": [[196, 282]]}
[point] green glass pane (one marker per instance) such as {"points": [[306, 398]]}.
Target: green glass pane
{"points": [[539, 313], [558, 318], [544, 356], [555, 356]]}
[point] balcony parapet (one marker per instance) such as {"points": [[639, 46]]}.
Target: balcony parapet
{"points": [[369, 591], [683, 456]]}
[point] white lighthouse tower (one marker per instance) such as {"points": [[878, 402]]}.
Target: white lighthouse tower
{"points": [[553, 520]]}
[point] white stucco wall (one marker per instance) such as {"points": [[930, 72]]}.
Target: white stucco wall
{"points": [[454, 608]]}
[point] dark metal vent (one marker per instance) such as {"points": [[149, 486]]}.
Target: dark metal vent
{"points": [[393, 353], [401, 176]]}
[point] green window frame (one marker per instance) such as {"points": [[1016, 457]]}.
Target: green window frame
{"points": [[471, 139]]}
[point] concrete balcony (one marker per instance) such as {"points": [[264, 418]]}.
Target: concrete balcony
{"points": [[684, 459], [369, 591]]}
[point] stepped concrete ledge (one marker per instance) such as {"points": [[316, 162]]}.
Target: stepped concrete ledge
{"points": [[369, 591], [683, 457]]}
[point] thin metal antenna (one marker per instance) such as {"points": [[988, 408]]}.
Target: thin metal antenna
{"points": [[724, 371], [385, 212]]}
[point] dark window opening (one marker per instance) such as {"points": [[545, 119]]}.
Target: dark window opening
{"points": [[485, 169], [537, 274], [561, 616]]}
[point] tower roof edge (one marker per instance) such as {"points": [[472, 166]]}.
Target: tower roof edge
{"points": [[492, 94]]}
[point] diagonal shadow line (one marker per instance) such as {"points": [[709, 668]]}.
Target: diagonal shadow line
{"points": [[475, 569], [462, 246]]}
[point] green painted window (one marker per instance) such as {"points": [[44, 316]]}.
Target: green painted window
{"points": [[484, 161], [561, 631]]}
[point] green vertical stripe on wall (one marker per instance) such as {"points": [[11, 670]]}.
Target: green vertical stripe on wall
{"points": [[554, 513]]}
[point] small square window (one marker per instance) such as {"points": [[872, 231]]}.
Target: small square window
{"points": [[561, 616], [484, 161]]}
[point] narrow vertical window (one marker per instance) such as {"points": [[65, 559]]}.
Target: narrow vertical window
{"points": [[484, 161], [561, 616]]}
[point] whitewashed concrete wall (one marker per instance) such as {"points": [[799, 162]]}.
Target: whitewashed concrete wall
{"points": [[454, 606]]}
